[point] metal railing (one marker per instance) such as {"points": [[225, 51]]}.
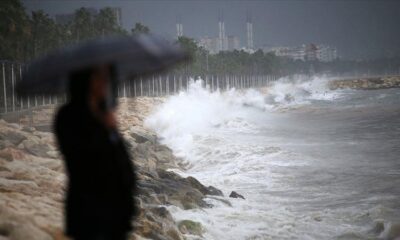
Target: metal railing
{"points": [[150, 86]]}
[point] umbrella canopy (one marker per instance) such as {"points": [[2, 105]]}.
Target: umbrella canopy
{"points": [[134, 56]]}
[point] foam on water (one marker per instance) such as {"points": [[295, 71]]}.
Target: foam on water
{"points": [[233, 140]]}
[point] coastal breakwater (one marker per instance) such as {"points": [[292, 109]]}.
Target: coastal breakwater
{"points": [[32, 179], [367, 83]]}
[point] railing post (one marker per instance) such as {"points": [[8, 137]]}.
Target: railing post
{"points": [[141, 87], [180, 83], [134, 88], [124, 90], [5, 89], [227, 82], [187, 83], [212, 83], [174, 83], [160, 85], [12, 87], [167, 85], [153, 86], [20, 78]]}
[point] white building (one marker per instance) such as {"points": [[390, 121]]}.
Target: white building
{"points": [[210, 44], [306, 52]]}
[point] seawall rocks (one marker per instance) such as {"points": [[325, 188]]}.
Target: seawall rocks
{"points": [[32, 178]]}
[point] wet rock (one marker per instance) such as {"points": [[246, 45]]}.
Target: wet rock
{"points": [[32, 179], [197, 185], [11, 154], [204, 190], [37, 148], [191, 227], [214, 191], [12, 136], [222, 200], [235, 195], [369, 83], [142, 136]]}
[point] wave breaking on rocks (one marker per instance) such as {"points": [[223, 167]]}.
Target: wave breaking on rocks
{"points": [[32, 178]]}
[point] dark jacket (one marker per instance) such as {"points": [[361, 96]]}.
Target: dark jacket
{"points": [[101, 175]]}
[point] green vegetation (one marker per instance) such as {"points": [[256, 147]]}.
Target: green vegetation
{"points": [[26, 36]]}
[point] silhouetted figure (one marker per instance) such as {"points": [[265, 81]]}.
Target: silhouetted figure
{"points": [[99, 201]]}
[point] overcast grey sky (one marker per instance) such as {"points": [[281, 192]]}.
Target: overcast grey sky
{"points": [[366, 28]]}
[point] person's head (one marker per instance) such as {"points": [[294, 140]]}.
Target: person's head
{"points": [[93, 84]]}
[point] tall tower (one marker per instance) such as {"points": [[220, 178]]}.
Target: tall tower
{"points": [[222, 41], [249, 26], [179, 27]]}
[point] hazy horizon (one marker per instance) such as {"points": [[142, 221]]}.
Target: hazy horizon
{"points": [[359, 29]]}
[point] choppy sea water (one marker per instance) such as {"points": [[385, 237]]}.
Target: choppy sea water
{"points": [[311, 163]]}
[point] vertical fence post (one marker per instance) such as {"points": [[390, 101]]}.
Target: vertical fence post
{"points": [[174, 83], [212, 83], [167, 90], [5, 88], [227, 82], [153, 86], [20, 78], [141, 87], [12, 87], [181, 79], [160, 81], [187, 83], [134, 88], [124, 89]]}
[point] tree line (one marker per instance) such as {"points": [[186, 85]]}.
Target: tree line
{"points": [[25, 36]]}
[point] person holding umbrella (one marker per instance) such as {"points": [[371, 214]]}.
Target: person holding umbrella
{"points": [[101, 185], [102, 182]]}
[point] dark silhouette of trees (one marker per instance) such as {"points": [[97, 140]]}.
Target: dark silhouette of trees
{"points": [[26, 36]]}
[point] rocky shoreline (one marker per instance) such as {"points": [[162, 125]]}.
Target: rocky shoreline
{"points": [[32, 179], [366, 83]]}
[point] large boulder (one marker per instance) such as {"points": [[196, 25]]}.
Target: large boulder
{"points": [[14, 137], [235, 195], [191, 227]]}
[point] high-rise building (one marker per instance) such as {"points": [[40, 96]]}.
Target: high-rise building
{"points": [[222, 40], [179, 27], [249, 28]]}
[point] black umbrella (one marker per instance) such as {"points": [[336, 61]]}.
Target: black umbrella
{"points": [[133, 56]]}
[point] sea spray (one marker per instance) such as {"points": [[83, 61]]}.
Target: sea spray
{"points": [[302, 173]]}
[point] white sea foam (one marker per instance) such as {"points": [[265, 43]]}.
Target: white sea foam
{"points": [[236, 140]]}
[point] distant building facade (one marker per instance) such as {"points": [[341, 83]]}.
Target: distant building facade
{"points": [[233, 43], [222, 42], [306, 52], [210, 44]]}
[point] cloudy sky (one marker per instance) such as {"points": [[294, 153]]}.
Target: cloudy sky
{"points": [[363, 28]]}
